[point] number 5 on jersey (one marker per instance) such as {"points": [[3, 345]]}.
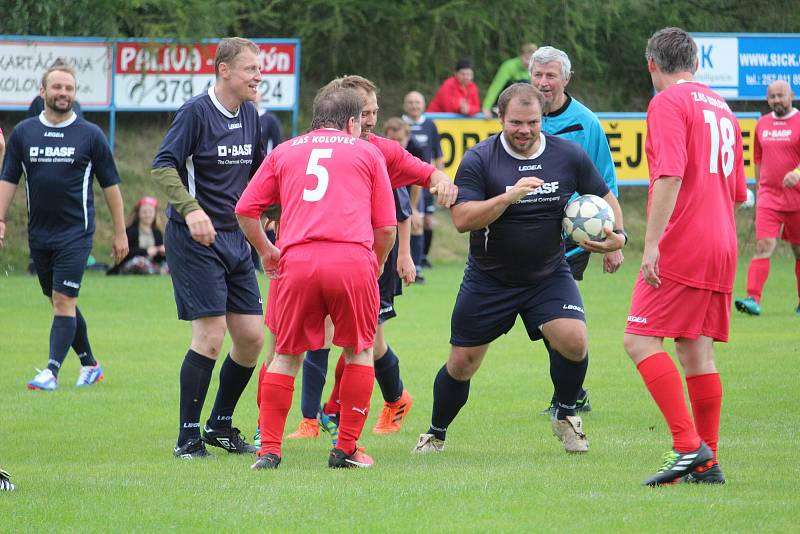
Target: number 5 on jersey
{"points": [[314, 167]]}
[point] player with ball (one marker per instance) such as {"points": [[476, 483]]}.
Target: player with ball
{"points": [[512, 191]]}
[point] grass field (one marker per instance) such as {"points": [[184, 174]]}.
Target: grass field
{"points": [[99, 459]]}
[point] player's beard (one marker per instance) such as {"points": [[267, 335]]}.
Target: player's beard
{"points": [[53, 104], [780, 110]]}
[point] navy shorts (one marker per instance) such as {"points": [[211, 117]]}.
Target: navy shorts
{"points": [[426, 203], [578, 262], [61, 269], [210, 281], [485, 308], [389, 286]]}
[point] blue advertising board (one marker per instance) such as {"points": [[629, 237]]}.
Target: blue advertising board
{"points": [[741, 66]]}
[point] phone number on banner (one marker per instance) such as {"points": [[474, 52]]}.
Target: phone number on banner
{"points": [[169, 92]]}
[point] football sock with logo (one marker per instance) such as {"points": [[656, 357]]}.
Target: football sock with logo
{"points": [[387, 373], [355, 391], [62, 332], [80, 344], [276, 399], [233, 378], [417, 244], [195, 378], [428, 239], [567, 377], [705, 394], [664, 383], [756, 277], [333, 405], [315, 367], [449, 396]]}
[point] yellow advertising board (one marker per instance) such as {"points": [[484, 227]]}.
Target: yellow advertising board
{"points": [[626, 134]]}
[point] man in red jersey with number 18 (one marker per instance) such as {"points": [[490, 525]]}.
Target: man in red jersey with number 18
{"points": [[694, 152]]}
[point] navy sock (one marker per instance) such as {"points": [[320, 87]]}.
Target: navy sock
{"points": [[428, 239], [233, 378], [449, 395], [81, 342], [567, 377], [315, 368], [62, 332], [416, 250], [387, 373], [195, 378]]}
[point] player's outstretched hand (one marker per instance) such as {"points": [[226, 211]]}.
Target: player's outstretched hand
{"points": [[443, 189], [791, 178], [406, 269], [613, 261], [611, 243], [200, 227], [650, 266], [270, 262], [524, 186], [119, 247]]}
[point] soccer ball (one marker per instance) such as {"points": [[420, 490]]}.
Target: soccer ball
{"points": [[586, 218]]}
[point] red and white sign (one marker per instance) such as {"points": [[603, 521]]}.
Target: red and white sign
{"points": [[22, 64], [162, 76]]}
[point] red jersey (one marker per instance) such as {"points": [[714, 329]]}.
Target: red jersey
{"points": [[331, 187], [777, 150], [450, 94], [403, 168], [692, 133]]}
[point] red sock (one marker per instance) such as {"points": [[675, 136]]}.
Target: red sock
{"points": [[756, 277], [355, 391], [664, 383], [276, 399], [333, 405], [797, 276], [261, 373], [705, 394]]}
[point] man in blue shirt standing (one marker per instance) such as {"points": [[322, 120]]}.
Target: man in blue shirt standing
{"points": [[59, 152], [565, 117], [210, 152]]}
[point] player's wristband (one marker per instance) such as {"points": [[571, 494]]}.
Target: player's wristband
{"points": [[620, 231]]}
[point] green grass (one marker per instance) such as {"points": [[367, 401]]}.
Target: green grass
{"points": [[99, 459]]}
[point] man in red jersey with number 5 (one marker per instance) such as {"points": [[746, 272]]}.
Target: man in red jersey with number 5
{"points": [[337, 227], [694, 153]]}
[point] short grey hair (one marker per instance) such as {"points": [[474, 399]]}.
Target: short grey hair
{"points": [[525, 93], [548, 54], [673, 50], [334, 107]]}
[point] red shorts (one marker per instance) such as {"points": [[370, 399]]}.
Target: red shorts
{"points": [[769, 221], [272, 308], [320, 279], [675, 310]]}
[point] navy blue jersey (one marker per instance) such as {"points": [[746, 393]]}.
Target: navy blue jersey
{"points": [[215, 153], [58, 163], [426, 136], [271, 132], [402, 203], [524, 245]]}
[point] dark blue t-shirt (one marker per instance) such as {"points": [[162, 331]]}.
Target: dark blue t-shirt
{"points": [[524, 245], [271, 132], [215, 153], [426, 136], [59, 162]]}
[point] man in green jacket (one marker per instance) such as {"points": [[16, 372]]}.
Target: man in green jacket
{"points": [[511, 71]]}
